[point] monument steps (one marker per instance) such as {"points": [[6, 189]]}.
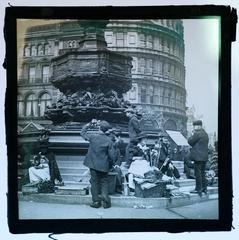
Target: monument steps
{"points": [[74, 177], [71, 163], [75, 183], [73, 170], [118, 200], [184, 182]]}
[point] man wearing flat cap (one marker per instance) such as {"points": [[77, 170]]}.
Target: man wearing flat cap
{"points": [[134, 131], [99, 159], [199, 155]]}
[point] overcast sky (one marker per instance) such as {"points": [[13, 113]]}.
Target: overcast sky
{"points": [[201, 38]]}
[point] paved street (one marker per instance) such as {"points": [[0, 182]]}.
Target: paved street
{"points": [[35, 210]]}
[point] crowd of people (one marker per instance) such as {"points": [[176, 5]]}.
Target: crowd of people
{"points": [[107, 152], [105, 149]]}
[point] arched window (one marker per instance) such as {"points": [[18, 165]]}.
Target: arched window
{"points": [[31, 105], [170, 125], [45, 100], [69, 44], [26, 51], [73, 44], [33, 50], [20, 106], [40, 50]]}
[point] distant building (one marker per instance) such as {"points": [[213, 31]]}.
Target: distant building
{"points": [[158, 74]]}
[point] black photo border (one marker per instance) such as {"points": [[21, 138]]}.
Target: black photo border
{"points": [[228, 26]]}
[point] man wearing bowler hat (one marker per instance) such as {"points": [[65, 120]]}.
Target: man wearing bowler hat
{"points": [[134, 131], [99, 159], [199, 155]]}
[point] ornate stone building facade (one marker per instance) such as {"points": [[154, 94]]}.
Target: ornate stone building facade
{"points": [[158, 73]]}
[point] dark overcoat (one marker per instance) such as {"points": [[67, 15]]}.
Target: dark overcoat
{"points": [[164, 152], [199, 143], [134, 128], [101, 152]]}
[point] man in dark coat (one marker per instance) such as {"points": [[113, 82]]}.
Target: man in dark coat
{"points": [[134, 131], [99, 159], [163, 150], [165, 164], [199, 155]]}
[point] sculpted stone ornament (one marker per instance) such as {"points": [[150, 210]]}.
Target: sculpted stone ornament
{"points": [[92, 79]]}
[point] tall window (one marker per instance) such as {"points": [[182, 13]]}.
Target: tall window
{"points": [[149, 41], [169, 98], [172, 71], [142, 65], [32, 74], [160, 67], [155, 67], [120, 39], [162, 96], [160, 44], [109, 38], [45, 100], [47, 49], [134, 63], [142, 41], [40, 50], [166, 97], [143, 94], [156, 43], [165, 69], [31, 105], [149, 66], [131, 38], [20, 105], [45, 74], [33, 50], [151, 94], [26, 51]]}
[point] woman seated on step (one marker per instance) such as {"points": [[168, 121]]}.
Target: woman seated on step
{"points": [[40, 170], [45, 168]]}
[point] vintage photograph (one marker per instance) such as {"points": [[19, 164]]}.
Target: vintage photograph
{"points": [[118, 118]]}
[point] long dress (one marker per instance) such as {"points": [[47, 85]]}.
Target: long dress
{"points": [[40, 172]]}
